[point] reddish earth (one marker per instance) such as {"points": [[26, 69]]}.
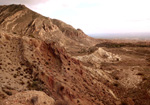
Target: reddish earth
{"points": [[65, 66]]}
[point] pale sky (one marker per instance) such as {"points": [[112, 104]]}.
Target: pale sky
{"points": [[95, 16]]}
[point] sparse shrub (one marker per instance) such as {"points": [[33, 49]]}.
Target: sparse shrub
{"points": [[36, 85], [140, 74], [31, 35], [116, 84], [8, 92], [34, 100], [46, 63]]}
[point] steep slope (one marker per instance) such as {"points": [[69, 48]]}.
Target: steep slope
{"points": [[32, 64], [35, 54]]}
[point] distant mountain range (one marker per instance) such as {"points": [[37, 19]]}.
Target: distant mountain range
{"points": [[142, 36]]}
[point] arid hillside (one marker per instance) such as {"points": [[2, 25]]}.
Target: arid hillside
{"points": [[45, 61]]}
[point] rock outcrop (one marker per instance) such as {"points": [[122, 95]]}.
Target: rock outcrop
{"points": [[29, 98], [97, 57]]}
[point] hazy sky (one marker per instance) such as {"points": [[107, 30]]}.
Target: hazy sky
{"points": [[95, 16]]}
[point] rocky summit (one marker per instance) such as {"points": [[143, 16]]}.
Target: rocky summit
{"points": [[45, 61]]}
